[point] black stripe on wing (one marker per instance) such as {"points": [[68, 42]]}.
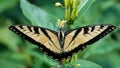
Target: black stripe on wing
{"points": [[28, 28], [36, 30]]}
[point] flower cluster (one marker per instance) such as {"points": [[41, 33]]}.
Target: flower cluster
{"points": [[71, 10]]}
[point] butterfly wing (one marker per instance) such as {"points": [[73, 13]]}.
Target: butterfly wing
{"points": [[46, 39], [77, 39]]}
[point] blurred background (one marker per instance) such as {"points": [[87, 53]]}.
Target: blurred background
{"points": [[15, 52]]}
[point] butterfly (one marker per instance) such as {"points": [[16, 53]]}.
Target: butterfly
{"points": [[62, 44]]}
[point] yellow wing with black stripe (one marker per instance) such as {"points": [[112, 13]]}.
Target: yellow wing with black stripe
{"points": [[77, 39], [46, 39]]}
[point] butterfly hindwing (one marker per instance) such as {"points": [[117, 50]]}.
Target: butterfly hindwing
{"points": [[46, 39], [77, 39]]}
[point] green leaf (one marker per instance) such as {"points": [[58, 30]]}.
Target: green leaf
{"points": [[38, 16], [6, 36], [82, 64], [86, 64], [9, 64], [7, 4], [84, 5], [7, 61], [41, 60], [106, 46]]}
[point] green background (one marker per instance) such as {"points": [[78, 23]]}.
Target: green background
{"points": [[15, 52]]}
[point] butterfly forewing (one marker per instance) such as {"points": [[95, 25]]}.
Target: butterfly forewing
{"points": [[46, 37], [80, 37]]}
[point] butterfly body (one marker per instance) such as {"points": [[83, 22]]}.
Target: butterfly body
{"points": [[62, 44], [61, 36]]}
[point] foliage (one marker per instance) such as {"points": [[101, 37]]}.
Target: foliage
{"points": [[18, 53]]}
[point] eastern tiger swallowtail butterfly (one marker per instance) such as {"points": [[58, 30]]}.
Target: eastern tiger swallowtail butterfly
{"points": [[62, 44]]}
